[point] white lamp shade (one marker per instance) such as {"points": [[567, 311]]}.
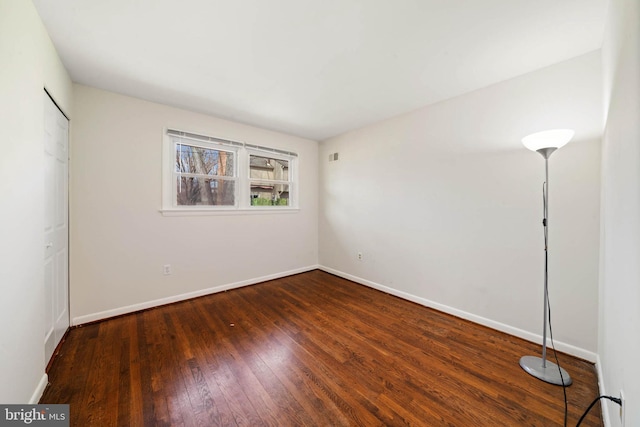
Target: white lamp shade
{"points": [[554, 138]]}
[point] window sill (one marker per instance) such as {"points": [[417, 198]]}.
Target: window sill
{"points": [[223, 211]]}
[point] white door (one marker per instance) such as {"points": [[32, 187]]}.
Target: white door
{"points": [[56, 229]]}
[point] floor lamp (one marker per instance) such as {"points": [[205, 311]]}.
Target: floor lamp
{"points": [[546, 143]]}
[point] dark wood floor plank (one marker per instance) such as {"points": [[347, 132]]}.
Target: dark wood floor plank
{"points": [[219, 379], [326, 358], [100, 395], [132, 413], [274, 351], [232, 364], [170, 403], [291, 368], [353, 358], [255, 355], [387, 347], [310, 349]]}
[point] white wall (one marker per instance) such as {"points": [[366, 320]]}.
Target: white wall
{"points": [[29, 63], [619, 327], [120, 240], [445, 205]]}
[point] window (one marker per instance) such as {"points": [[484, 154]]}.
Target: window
{"points": [[269, 180], [204, 176], [203, 173]]}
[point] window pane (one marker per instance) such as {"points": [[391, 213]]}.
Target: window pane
{"points": [[204, 161], [269, 194], [205, 192], [268, 168]]}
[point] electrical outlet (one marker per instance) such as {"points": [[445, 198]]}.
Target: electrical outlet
{"points": [[622, 407], [166, 269], [359, 256]]}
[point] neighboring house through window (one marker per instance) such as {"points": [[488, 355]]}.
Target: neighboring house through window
{"points": [[269, 180]]}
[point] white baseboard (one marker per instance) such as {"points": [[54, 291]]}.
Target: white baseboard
{"points": [[37, 394], [560, 346], [79, 320], [520, 333]]}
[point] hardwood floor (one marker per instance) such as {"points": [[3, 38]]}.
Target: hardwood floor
{"points": [[311, 349]]}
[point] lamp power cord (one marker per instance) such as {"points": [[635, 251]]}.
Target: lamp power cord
{"points": [[611, 398], [546, 274]]}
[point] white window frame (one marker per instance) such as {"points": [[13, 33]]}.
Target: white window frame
{"points": [[242, 173]]}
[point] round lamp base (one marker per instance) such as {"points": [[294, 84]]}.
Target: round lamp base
{"points": [[548, 373]]}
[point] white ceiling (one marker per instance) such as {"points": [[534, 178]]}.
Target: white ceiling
{"points": [[313, 68]]}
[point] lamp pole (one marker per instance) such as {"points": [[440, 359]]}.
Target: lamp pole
{"points": [[545, 224], [538, 366]]}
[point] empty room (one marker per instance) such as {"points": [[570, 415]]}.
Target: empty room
{"points": [[322, 213]]}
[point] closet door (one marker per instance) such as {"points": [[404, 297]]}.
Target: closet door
{"points": [[56, 225]]}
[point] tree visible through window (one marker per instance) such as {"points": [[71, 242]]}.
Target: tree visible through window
{"points": [[204, 176]]}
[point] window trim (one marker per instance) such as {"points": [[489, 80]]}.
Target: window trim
{"points": [[242, 175]]}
